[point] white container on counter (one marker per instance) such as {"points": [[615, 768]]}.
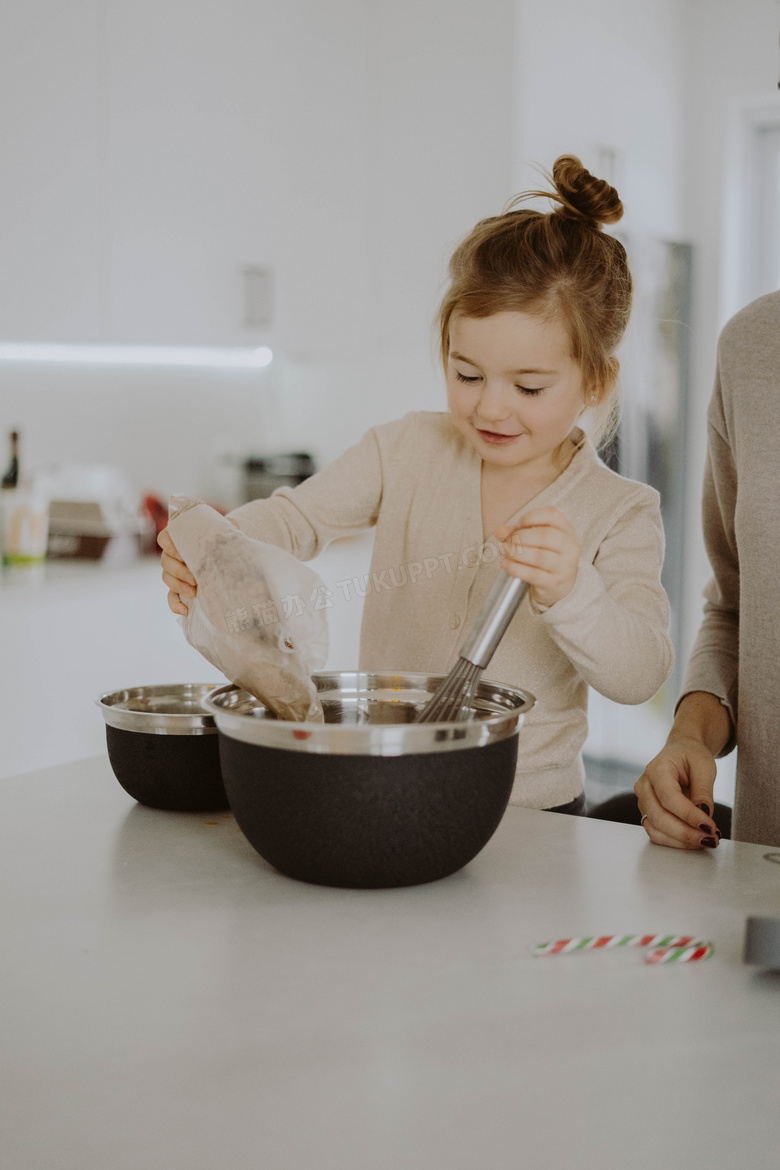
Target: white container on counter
{"points": [[25, 524]]}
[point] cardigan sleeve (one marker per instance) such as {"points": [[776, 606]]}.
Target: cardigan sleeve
{"points": [[714, 661], [341, 500], [613, 624]]}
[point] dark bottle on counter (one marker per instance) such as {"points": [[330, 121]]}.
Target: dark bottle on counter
{"points": [[11, 477]]}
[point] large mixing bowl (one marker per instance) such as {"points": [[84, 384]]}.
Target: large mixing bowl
{"points": [[163, 747], [369, 798]]}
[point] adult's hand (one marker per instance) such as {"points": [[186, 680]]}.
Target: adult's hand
{"points": [[675, 791], [675, 796]]}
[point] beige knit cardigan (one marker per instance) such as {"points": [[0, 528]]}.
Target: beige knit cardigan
{"points": [[736, 655], [418, 482]]}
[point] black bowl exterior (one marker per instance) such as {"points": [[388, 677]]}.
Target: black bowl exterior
{"points": [[366, 821], [176, 772]]}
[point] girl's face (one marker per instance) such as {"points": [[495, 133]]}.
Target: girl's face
{"points": [[513, 388]]}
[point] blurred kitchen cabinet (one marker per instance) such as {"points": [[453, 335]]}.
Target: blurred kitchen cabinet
{"points": [[153, 151], [50, 172], [239, 138]]}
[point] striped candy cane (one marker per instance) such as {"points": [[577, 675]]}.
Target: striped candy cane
{"points": [[602, 942], [690, 954]]}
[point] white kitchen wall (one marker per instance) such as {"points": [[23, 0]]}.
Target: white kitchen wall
{"points": [[344, 144], [49, 160], [162, 427], [733, 61], [605, 80]]}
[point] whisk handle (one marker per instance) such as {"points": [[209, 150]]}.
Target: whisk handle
{"points": [[500, 607]]}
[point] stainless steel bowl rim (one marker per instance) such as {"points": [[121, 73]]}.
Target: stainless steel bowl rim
{"points": [[191, 720], [380, 739]]}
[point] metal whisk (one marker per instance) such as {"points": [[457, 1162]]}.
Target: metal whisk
{"points": [[452, 700]]}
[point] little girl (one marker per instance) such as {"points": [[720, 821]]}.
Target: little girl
{"points": [[506, 481]]}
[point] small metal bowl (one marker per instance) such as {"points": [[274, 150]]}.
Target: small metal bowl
{"points": [[163, 747], [369, 798]]}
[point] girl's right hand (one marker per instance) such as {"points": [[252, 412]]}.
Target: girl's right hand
{"points": [[175, 574]]}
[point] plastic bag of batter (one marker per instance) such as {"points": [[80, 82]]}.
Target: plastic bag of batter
{"points": [[257, 615]]}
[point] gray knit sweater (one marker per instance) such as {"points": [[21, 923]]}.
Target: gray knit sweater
{"points": [[737, 652]]}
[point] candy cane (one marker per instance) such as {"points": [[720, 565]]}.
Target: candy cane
{"points": [[602, 942], [689, 954]]}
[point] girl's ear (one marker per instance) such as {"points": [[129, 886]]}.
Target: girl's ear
{"points": [[596, 392], [590, 395]]}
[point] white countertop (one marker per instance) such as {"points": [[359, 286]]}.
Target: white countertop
{"points": [[23, 583], [171, 1001]]}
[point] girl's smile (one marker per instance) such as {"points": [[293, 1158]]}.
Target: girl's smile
{"points": [[513, 389], [496, 439]]}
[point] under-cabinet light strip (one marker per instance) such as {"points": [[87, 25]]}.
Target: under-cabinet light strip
{"points": [[137, 355]]}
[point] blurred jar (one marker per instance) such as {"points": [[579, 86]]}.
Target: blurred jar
{"points": [[25, 524]]}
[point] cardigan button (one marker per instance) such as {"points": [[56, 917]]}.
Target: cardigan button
{"points": [[454, 622]]}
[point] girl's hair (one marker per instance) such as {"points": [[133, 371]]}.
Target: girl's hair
{"points": [[553, 265]]}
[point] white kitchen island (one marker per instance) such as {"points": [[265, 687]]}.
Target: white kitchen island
{"points": [[170, 1001]]}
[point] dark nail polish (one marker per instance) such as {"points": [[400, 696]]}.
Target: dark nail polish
{"points": [[705, 808], [718, 834], [708, 842], [705, 829]]}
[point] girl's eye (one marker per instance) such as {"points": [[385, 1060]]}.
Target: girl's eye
{"points": [[532, 390], [463, 378]]}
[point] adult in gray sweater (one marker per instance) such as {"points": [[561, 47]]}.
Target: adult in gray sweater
{"points": [[731, 695]]}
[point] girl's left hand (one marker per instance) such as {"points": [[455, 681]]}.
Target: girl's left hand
{"points": [[544, 551]]}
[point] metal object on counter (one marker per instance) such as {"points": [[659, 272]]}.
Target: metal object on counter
{"points": [[167, 709], [238, 477], [262, 476], [762, 943], [371, 713], [453, 699], [369, 798], [163, 747]]}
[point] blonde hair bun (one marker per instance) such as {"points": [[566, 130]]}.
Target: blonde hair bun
{"points": [[554, 264], [580, 195]]}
